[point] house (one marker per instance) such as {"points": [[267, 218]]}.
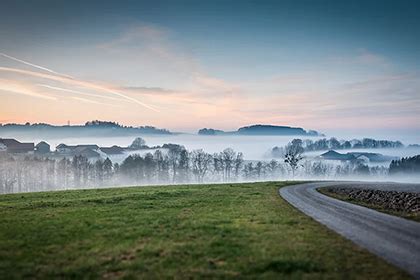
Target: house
{"points": [[361, 157], [90, 151], [64, 149], [67, 149], [86, 152], [42, 148], [14, 146], [373, 157]]}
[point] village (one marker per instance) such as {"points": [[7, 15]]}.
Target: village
{"points": [[90, 151]]}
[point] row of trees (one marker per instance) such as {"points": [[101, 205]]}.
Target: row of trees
{"points": [[405, 165], [171, 165], [334, 144]]}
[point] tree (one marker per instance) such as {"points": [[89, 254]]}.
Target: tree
{"points": [[107, 169], [174, 157], [184, 165], [138, 143], [228, 157], [293, 155], [162, 166], [149, 166], [200, 163], [99, 172], [238, 163]]}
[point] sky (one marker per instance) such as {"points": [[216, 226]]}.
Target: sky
{"points": [[184, 65]]}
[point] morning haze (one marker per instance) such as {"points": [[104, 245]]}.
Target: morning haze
{"points": [[209, 139]]}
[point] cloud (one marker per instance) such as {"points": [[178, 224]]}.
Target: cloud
{"points": [[363, 57], [148, 90], [368, 57], [151, 47], [362, 87]]}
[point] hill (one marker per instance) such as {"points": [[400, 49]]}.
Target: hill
{"points": [[260, 129], [89, 129]]}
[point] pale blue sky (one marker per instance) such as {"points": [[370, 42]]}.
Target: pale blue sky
{"points": [[220, 63]]}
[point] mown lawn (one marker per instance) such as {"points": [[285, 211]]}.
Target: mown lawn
{"points": [[216, 231]]}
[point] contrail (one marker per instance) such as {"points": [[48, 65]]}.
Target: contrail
{"points": [[97, 95], [76, 82], [92, 101], [34, 65], [77, 92], [21, 89]]}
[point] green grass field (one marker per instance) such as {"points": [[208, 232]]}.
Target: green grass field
{"points": [[214, 231]]}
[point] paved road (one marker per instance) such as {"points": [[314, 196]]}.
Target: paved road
{"points": [[395, 239]]}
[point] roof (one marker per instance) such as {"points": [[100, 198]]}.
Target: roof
{"points": [[86, 152], [90, 146], [42, 143], [114, 150], [61, 146], [9, 142], [15, 146]]}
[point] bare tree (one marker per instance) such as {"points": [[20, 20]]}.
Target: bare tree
{"points": [[228, 156], [293, 155], [200, 163], [238, 163]]}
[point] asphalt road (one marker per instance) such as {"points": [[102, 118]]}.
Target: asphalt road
{"points": [[395, 239]]}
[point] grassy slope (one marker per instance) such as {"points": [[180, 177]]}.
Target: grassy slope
{"points": [[176, 232], [411, 216]]}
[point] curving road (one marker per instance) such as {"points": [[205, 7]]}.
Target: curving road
{"points": [[395, 239]]}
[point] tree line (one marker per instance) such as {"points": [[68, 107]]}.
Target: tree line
{"points": [[172, 165], [324, 144], [405, 165]]}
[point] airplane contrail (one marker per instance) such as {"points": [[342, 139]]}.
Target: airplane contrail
{"points": [[92, 101], [97, 95], [77, 92], [34, 65], [71, 80]]}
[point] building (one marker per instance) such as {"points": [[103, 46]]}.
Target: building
{"points": [[67, 149], [15, 147], [361, 157], [42, 148], [64, 149], [88, 151]]}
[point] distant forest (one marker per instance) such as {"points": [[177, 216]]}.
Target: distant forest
{"points": [[408, 165], [90, 128], [261, 130], [334, 144]]}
